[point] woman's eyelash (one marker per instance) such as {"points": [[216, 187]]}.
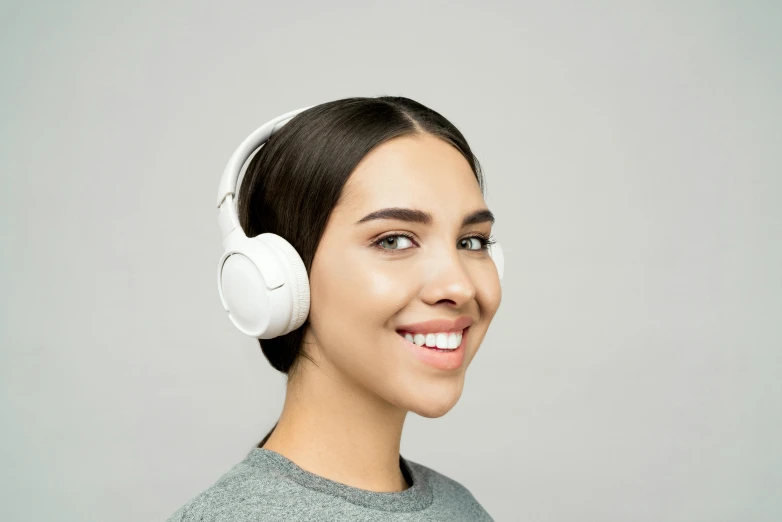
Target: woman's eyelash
{"points": [[486, 241]]}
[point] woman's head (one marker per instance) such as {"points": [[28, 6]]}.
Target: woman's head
{"points": [[315, 182]]}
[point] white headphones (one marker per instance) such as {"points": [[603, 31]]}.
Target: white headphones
{"points": [[262, 280]]}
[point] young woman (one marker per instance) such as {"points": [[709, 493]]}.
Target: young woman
{"points": [[398, 281]]}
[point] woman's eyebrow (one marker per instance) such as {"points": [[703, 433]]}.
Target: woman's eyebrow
{"points": [[425, 218]]}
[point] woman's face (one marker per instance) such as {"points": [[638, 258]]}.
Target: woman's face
{"points": [[367, 281]]}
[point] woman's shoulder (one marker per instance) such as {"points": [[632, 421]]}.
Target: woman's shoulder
{"points": [[209, 502], [236, 495]]}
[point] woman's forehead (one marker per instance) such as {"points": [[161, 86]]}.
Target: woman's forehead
{"points": [[419, 168], [429, 176]]}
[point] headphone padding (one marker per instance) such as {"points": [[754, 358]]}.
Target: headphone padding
{"points": [[296, 275], [495, 251]]}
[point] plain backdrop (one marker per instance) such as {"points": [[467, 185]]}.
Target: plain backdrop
{"points": [[632, 152]]}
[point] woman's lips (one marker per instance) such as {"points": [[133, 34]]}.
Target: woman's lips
{"points": [[439, 358]]}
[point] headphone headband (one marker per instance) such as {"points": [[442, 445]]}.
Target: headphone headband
{"points": [[228, 218]]}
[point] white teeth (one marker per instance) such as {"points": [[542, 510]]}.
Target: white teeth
{"points": [[441, 340]]}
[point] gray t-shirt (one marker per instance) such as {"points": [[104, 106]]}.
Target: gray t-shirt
{"points": [[268, 486]]}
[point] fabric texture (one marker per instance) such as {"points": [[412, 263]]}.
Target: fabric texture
{"points": [[267, 486]]}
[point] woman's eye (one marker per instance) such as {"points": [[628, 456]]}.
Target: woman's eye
{"points": [[393, 242], [477, 241]]}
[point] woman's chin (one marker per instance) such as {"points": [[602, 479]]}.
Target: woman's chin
{"points": [[435, 404]]}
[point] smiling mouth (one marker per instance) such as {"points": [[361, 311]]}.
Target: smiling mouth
{"points": [[436, 341], [444, 359]]}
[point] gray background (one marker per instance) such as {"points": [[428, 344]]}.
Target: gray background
{"points": [[632, 153]]}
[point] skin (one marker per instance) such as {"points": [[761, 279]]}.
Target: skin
{"points": [[343, 418]]}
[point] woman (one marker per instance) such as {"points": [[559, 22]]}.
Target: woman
{"points": [[382, 200]]}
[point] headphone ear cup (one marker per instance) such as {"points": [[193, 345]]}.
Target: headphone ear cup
{"points": [[244, 293], [495, 252], [258, 287], [296, 279]]}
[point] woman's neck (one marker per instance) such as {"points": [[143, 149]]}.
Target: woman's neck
{"points": [[334, 427]]}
